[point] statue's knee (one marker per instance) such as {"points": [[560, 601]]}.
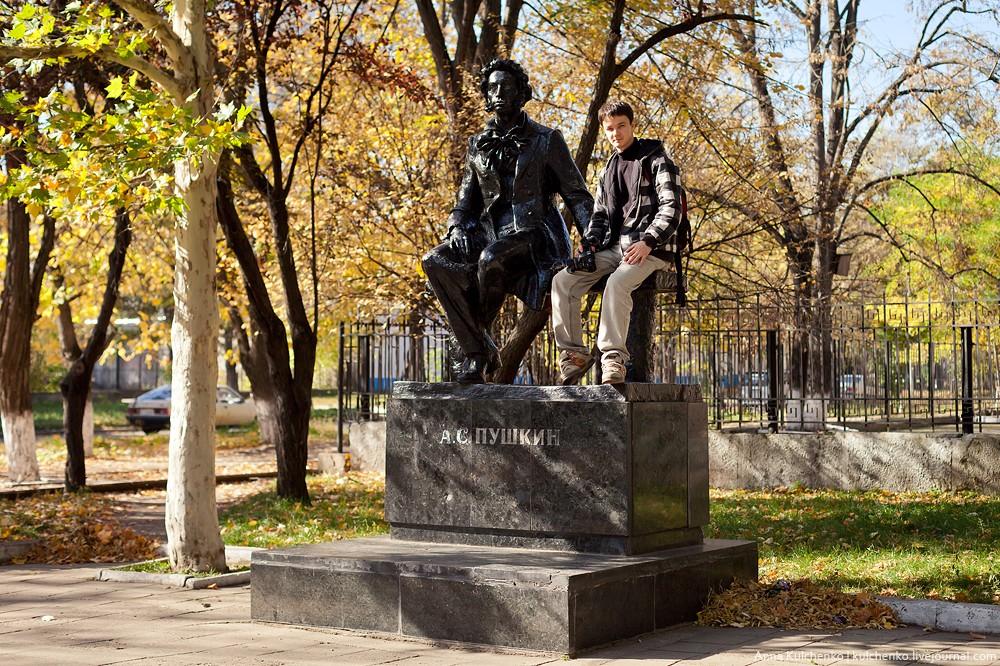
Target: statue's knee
{"points": [[431, 261], [488, 261]]}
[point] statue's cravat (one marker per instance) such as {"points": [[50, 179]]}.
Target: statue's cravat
{"points": [[502, 148]]}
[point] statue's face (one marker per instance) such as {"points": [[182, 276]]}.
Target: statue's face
{"points": [[503, 95]]}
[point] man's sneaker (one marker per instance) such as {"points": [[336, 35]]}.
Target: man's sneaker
{"points": [[573, 365], [612, 369]]}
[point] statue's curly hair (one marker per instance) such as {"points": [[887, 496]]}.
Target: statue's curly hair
{"points": [[511, 67]]}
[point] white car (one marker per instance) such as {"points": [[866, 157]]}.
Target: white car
{"points": [[151, 410]]}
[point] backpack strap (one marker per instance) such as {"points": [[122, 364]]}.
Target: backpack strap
{"points": [[683, 246]]}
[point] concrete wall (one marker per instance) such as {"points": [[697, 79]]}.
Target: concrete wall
{"points": [[852, 460], [841, 460], [367, 446]]}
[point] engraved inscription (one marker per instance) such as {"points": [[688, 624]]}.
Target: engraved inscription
{"points": [[501, 436]]}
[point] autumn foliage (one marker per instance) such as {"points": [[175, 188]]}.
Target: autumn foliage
{"points": [[795, 605], [71, 529]]}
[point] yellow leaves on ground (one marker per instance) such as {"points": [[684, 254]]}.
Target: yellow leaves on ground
{"points": [[794, 605], [71, 529]]}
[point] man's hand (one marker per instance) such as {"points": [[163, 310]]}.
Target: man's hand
{"points": [[636, 253]]}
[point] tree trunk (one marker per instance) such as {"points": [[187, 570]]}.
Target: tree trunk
{"points": [[283, 396], [607, 73], [282, 412], [193, 539], [416, 368], [804, 407], [75, 389], [88, 427], [255, 364], [641, 334], [232, 377], [191, 519], [15, 348], [529, 325], [18, 304], [75, 385]]}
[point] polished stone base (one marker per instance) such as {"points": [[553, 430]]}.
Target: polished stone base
{"points": [[613, 470], [530, 599]]}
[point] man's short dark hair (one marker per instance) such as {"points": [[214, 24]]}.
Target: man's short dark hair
{"points": [[511, 67], [616, 107]]}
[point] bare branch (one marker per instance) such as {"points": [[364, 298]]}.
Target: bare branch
{"points": [[329, 60], [443, 63], [776, 158], [926, 172], [678, 29]]}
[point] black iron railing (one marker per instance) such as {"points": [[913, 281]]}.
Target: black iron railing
{"points": [[892, 364]]}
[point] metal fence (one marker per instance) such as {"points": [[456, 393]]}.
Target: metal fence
{"points": [[138, 373], [892, 364]]}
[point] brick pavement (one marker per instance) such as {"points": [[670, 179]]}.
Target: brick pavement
{"points": [[59, 615]]}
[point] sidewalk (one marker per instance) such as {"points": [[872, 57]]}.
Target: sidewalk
{"points": [[145, 462], [59, 615]]}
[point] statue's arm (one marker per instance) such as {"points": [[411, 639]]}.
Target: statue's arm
{"points": [[469, 202], [571, 184]]}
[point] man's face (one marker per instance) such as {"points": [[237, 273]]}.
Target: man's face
{"points": [[503, 96], [620, 131]]}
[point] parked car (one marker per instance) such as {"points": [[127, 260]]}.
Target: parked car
{"points": [[151, 410]]}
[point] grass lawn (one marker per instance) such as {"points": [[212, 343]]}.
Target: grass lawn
{"points": [[343, 508], [162, 566], [48, 410], [940, 544]]}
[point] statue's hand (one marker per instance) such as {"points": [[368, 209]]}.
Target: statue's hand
{"points": [[459, 240]]}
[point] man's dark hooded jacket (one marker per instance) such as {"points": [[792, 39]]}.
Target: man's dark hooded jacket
{"points": [[657, 213], [544, 167]]}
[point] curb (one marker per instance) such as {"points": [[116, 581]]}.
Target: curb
{"points": [[10, 550], [174, 580], [234, 554], [125, 486], [946, 615]]}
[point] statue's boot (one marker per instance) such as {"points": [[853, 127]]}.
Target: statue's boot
{"points": [[474, 369]]}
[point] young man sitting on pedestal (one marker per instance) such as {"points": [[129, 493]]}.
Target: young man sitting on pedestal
{"points": [[632, 233]]}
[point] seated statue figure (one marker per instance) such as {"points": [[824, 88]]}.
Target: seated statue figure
{"points": [[505, 232]]}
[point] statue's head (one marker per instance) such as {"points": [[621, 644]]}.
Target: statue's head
{"points": [[505, 87]]}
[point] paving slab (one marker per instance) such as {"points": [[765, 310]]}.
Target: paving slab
{"points": [[110, 623]]}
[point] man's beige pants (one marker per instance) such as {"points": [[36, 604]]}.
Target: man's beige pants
{"points": [[569, 288]]}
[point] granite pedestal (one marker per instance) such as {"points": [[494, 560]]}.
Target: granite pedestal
{"points": [[587, 468], [552, 601], [544, 518]]}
